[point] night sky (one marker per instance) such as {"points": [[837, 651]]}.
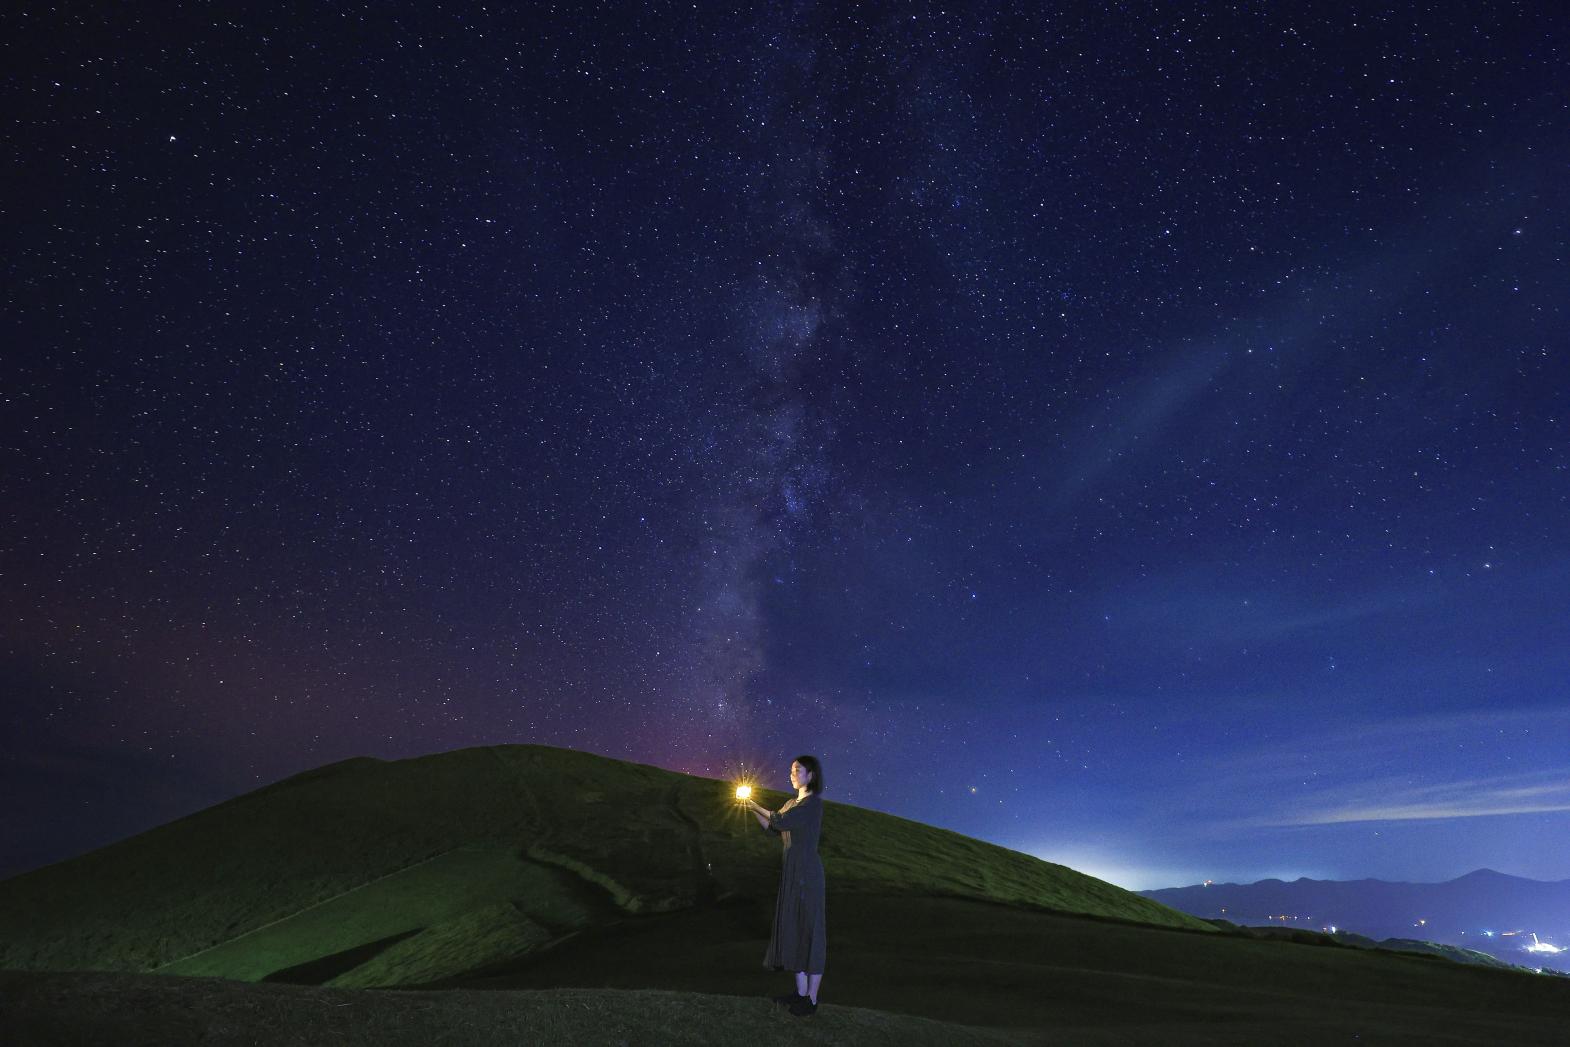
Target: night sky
{"points": [[1136, 437]]}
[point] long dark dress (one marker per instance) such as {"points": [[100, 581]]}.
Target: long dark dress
{"points": [[799, 939]]}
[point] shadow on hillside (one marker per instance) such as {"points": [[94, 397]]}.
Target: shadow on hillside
{"points": [[961, 961], [326, 968]]}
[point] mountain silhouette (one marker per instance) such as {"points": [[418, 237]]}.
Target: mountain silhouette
{"points": [[1484, 910]]}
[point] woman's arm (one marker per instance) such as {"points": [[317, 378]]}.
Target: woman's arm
{"points": [[763, 814], [785, 820]]}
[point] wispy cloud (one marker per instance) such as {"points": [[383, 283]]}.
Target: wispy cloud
{"points": [[1136, 419], [1532, 793], [1333, 774], [1108, 435], [1351, 733], [1189, 606]]}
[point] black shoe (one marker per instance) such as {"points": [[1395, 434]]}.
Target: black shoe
{"points": [[804, 1007], [788, 1000]]}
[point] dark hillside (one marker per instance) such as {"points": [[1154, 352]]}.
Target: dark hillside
{"points": [[389, 873]]}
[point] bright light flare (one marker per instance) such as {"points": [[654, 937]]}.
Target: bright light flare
{"points": [[743, 792]]}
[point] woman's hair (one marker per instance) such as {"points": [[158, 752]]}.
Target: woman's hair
{"points": [[811, 764]]}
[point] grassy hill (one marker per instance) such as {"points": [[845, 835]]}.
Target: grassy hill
{"points": [[370, 873], [531, 894]]}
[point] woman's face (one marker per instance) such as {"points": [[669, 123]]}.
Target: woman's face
{"points": [[799, 775]]}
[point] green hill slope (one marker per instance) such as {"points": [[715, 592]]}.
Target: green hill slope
{"points": [[371, 873]]}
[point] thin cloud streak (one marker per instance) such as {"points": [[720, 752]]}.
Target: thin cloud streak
{"points": [[1324, 778], [1190, 611], [1478, 798]]}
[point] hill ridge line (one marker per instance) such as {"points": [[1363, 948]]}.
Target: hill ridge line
{"points": [[308, 908], [520, 785]]}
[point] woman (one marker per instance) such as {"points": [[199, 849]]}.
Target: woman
{"points": [[799, 940]]}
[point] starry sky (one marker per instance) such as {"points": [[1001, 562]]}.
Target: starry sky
{"points": [[1139, 437]]}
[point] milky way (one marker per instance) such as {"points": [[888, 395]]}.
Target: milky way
{"points": [[1139, 441]]}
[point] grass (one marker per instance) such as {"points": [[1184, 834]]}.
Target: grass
{"points": [[1040, 974], [525, 893], [403, 855], [84, 1010]]}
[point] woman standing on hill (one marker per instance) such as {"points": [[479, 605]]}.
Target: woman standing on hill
{"points": [[799, 939]]}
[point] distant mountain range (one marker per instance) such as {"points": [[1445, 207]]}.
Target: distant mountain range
{"points": [[1485, 910]]}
